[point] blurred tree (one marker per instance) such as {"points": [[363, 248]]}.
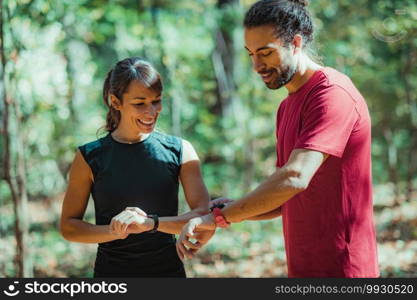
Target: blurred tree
{"points": [[13, 160]]}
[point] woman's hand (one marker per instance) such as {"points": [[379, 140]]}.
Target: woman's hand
{"points": [[115, 224], [137, 210], [139, 225], [131, 220]]}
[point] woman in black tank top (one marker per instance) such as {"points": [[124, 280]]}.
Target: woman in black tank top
{"points": [[133, 176]]}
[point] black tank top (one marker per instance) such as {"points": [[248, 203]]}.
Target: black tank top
{"points": [[144, 175]]}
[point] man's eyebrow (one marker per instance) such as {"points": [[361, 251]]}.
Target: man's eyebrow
{"points": [[259, 49], [263, 48]]}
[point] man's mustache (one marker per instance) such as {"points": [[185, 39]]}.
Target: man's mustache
{"points": [[266, 71]]}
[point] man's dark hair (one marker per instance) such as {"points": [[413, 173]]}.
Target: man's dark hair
{"points": [[289, 17]]}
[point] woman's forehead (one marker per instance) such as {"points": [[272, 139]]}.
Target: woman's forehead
{"points": [[138, 90]]}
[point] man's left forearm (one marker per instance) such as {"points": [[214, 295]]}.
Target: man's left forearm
{"points": [[270, 195], [267, 216]]}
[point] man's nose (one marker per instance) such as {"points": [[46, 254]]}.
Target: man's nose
{"points": [[257, 64]]}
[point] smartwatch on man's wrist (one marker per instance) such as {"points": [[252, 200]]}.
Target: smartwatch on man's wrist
{"points": [[219, 218], [221, 205]]}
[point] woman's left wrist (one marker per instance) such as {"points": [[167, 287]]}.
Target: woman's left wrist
{"points": [[155, 223], [149, 223]]}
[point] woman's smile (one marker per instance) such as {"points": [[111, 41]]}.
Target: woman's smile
{"points": [[146, 123]]}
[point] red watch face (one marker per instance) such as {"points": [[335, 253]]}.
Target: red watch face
{"points": [[219, 218]]}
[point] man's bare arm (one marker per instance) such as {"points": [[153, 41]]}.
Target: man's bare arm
{"points": [[281, 186]]}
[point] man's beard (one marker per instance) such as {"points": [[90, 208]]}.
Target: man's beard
{"points": [[283, 75]]}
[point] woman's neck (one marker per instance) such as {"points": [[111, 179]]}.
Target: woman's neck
{"points": [[124, 135]]}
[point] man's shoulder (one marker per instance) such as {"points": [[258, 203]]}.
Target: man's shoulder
{"points": [[331, 80]]}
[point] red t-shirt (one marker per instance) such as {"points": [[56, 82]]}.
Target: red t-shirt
{"points": [[328, 228]]}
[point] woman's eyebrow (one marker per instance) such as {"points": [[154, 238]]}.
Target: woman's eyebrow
{"points": [[143, 98]]}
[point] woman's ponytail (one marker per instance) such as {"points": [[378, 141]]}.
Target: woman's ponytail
{"points": [[113, 115]]}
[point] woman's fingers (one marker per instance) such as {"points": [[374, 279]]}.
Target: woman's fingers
{"points": [[114, 227], [137, 210], [115, 224], [120, 221], [128, 217], [126, 222], [112, 223]]}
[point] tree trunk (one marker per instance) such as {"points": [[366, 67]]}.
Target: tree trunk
{"points": [[412, 163], [228, 106], [168, 70], [410, 96], [392, 154], [223, 61], [14, 167]]}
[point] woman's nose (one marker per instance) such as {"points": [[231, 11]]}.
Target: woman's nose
{"points": [[150, 110]]}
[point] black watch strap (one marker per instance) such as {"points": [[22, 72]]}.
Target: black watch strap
{"points": [[155, 223], [221, 205]]}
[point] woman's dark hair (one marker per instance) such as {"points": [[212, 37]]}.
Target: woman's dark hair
{"points": [[289, 17], [118, 79]]}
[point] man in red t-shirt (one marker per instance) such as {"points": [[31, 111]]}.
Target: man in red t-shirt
{"points": [[322, 185]]}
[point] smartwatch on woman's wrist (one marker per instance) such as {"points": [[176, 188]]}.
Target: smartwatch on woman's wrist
{"points": [[155, 223]]}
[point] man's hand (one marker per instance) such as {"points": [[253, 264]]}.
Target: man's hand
{"points": [[201, 229]]}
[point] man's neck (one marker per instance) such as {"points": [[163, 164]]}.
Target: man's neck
{"points": [[305, 70]]}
